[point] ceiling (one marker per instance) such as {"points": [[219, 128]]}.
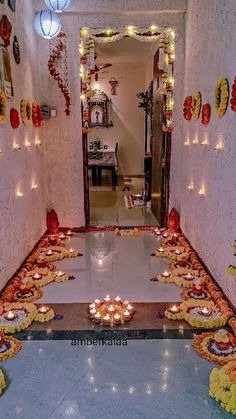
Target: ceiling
{"points": [[125, 51]]}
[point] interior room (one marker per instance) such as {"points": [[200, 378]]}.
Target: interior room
{"points": [[118, 203]]}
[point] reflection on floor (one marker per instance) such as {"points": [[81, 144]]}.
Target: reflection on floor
{"points": [[149, 379], [107, 207], [112, 265]]}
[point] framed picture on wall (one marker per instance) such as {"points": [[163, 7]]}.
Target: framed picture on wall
{"points": [[99, 111], [12, 5], [5, 71]]}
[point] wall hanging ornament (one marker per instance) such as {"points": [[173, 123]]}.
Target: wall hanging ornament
{"points": [[57, 66], [187, 108], [26, 112], [5, 30], [47, 24], [36, 115], [206, 113], [221, 97], [12, 5], [3, 107], [57, 6], [16, 50], [233, 96], [114, 83], [14, 118], [196, 105]]}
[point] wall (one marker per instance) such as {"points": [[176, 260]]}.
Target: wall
{"points": [[22, 219], [209, 221], [127, 118]]}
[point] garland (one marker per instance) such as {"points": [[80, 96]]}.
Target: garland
{"points": [[36, 115], [223, 386], [221, 97], [206, 113], [10, 347], [233, 96], [3, 107], [2, 382], [207, 346], [196, 105], [44, 317], [187, 108], [131, 232], [27, 309], [26, 111]]}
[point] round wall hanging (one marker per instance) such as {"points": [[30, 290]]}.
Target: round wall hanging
{"points": [[187, 108], [221, 97], [233, 96], [5, 30], [16, 50], [26, 112], [196, 105], [3, 107], [14, 118], [206, 113], [36, 115]]}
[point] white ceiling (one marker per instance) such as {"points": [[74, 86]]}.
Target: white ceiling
{"points": [[125, 51]]}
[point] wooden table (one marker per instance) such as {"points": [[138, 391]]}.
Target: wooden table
{"points": [[102, 159]]}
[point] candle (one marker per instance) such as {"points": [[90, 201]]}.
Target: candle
{"points": [[91, 306], [117, 318], [62, 236], [188, 276], [43, 309], [37, 276], [165, 235], [165, 274], [118, 299], [127, 316], [60, 273], [161, 250], [106, 320], [97, 317], [69, 233], [205, 311], [11, 315], [49, 252], [125, 303], [97, 302], [111, 309], [174, 309], [130, 308], [107, 299], [177, 252], [175, 235], [92, 312]]}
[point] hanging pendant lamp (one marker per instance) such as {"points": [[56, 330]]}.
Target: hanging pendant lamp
{"points": [[47, 24], [57, 6]]}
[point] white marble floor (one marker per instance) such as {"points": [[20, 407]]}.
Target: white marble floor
{"points": [[112, 265]]}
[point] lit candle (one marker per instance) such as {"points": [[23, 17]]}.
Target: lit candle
{"points": [[49, 252], [175, 235], [11, 315], [92, 312], [69, 233], [127, 316], [111, 309], [43, 309], [130, 308], [188, 276], [125, 303], [205, 311], [62, 236], [106, 320], [177, 252], [174, 309], [107, 299], [60, 273], [97, 317], [97, 302], [118, 299], [165, 235], [37, 276], [91, 306], [161, 250], [71, 250], [117, 318], [165, 274]]}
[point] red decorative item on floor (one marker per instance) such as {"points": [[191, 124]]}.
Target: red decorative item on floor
{"points": [[36, 115], [206, 113], [173, 222], [14, 118], [187, 109], [233, 96], [5, 30], [57, 66], [52, 222]]}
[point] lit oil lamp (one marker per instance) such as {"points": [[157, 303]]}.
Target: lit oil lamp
{"points": [[165, 235], [222, 339], [97, 302], [92, 312], [91, 306], [197, 286], [62, 236], [37, 276], [117, 319], [189, 277], [157, 232], [71, 250], [177, 252], [69, 233], [127, 315], [106, 320], [97, 317], [11, 315], [166, 274], [125, 303], [160, 250], [43, 309], [49, 252], [60, 273], [107, 299], [205, 311], [174, 309], [118, 299], [130, 308], [111, 309]]}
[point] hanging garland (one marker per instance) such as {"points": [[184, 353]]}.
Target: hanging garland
{"points": [[196, 105], [233, 96], [57, 66], [14, 118], [206, 113], [26, 112], [221, 97], [3, 107], [187, 108], [36, 115]]}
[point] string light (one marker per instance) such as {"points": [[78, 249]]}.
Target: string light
{"points": [[34, 187], [201, 191], [205, 142], [16, 147], [190, 187], [195, 141], [19, 193], [27, 144], [219, 146], [187, 143]]}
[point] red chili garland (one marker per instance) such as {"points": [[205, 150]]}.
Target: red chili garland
{"points": [[57, 66], [206, 113], [233, 96], [187, 109]]}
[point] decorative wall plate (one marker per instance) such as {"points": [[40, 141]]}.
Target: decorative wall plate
{"points": [[5, 30], [26, 112], [187, 108], [221, 97], [233, 96], [16, 50], [36, 115], [196, 105], [14, 118], [206, 113]]}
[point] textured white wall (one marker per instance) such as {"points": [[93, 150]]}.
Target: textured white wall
{"points": [[22, 219], [210, 221]]}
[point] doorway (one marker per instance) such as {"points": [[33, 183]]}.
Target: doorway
{"points": [[123, 119]]}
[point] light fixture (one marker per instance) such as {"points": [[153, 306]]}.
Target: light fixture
{"points": [[19, 194], [16, 147], [187, 142], [201, 191], [57, 6], [190, 187], [195, 141], [47, 24], [218, 147], [27, 144], [34, 187], [205, 142]]}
